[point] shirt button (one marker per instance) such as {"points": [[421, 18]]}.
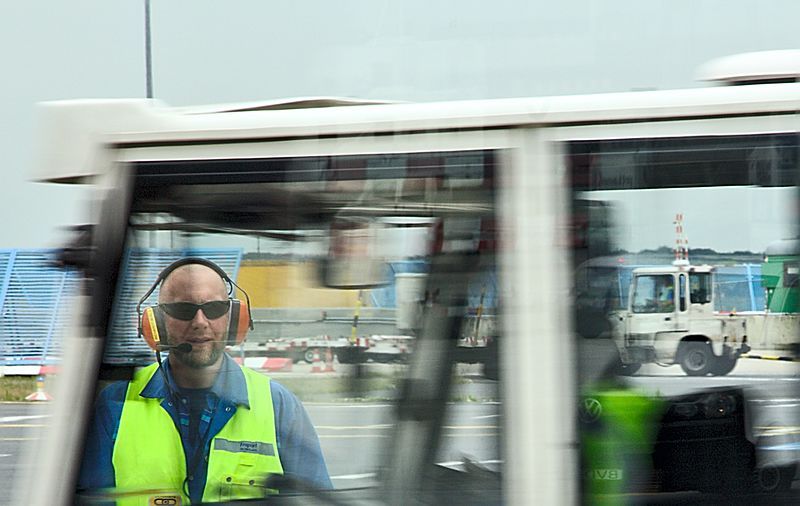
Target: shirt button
{"points": [[252, 482], [191, 478], [184, 401], [228, 479], [227, 409], [169, 404]]}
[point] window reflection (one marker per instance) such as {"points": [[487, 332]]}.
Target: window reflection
{"points": [[663, 420], [351, 266]]}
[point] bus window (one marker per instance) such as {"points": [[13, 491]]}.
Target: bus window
{"points": [[646, 427], [355, 281]]}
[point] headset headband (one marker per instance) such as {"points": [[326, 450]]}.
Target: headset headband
{"points": [[189, 261]]}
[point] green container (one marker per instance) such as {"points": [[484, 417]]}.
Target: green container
{"points": [[781, 275]]}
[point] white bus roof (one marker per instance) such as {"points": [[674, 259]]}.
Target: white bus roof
{"points": [[760, 66], [73, 134]]}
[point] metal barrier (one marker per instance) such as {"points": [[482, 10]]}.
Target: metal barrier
{"points": [[34, 306]]}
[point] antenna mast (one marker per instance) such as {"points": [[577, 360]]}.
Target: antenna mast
{"points": [[681, 242]]}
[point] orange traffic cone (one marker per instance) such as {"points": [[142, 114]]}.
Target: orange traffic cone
{"points": [[328, 360], [39, 394], [315, 363]]}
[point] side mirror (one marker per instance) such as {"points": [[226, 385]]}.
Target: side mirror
{"points": [[354, 260]]}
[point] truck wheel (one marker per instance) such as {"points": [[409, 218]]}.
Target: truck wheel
{"points": [[308, 355], [629, 369], [772, 478], [723, 364], [696, 358]]}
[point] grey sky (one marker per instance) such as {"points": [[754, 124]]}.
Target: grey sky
{"points": [[207, 51]]}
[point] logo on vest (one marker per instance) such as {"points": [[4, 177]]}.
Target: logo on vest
{"points": [[255, 447], [248, 447], [165, 500]]}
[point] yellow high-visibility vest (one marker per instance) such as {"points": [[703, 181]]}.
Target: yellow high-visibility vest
{"points": [[149, 460]]}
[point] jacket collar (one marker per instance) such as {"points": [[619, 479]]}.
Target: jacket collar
{"points": [[229, 384]]}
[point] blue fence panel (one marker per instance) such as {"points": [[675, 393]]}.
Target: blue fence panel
{"points": [[140, 268], [740, 288], [35, 302]]}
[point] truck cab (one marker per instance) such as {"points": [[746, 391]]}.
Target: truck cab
{"points": [[670, 319]]}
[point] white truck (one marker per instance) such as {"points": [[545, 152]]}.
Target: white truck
{"points": [[670, 319]]}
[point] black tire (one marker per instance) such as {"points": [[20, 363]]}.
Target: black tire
{"points": [[696, 358], [723, 364], [772, 478], [629, 369], [308, 355]]}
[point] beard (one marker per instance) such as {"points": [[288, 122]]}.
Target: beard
{"points": [[200, 356]]}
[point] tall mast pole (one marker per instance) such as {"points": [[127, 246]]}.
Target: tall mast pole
{"points": [[148, 59]]}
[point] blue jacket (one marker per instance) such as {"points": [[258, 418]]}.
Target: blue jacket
{"points": [[298, 444]]}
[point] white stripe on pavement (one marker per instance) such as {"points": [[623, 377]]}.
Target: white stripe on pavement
{"points": [[454, 463], [21, 417]]}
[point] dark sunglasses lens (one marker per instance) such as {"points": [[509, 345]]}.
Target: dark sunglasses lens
{"points": [[186, 310], [215, 308]]}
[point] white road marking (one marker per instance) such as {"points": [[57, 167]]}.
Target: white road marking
{"points": [[355, 427], [4, 419], [790, 401], [385, 426], [345, 405], [362, 476], [454, 463]]}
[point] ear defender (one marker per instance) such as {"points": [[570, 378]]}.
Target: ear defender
{"points": [[152, 328], [238, 323]]}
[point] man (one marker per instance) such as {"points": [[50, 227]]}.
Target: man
{"points": [[205, 429]]}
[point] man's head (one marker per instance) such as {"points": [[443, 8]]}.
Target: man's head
{"points": [[204, 329]]}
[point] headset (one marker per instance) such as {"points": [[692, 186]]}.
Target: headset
{"points": [[153, 329]]}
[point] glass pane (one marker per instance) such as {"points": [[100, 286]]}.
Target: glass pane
{"points": [[700, 288], [350, 267], [680, 406], [37, 293], [654, 294]]}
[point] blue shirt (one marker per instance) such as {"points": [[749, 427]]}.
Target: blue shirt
{"points": [[298, 444]]}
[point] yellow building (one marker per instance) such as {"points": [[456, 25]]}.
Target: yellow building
{"points": [[276, 283]]}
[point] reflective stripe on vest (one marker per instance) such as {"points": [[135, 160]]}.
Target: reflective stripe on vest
{"points": [[148, 456]]}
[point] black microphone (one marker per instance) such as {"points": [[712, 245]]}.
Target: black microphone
{"points": [[183, 347]]}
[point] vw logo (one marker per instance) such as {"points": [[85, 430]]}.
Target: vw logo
{"points": [[591, 409]]}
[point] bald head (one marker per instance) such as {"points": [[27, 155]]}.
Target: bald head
{"points": [[190, 281]]}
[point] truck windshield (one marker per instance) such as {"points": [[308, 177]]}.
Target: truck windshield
{"points": [[654, 294], [346, 265]]}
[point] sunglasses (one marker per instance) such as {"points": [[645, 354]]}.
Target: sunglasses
{"points": [[185, 311]]}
